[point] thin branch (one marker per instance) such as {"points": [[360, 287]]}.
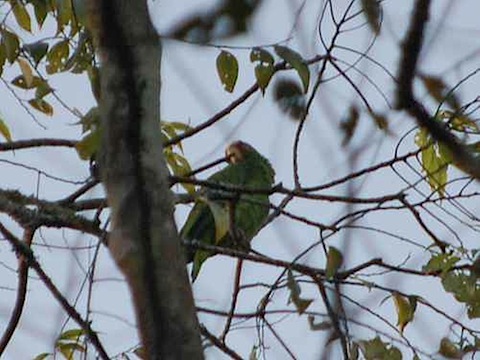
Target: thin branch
{"points": [[219, 344], [21, 295], [23, 250], [236, 291], [35, 143]]}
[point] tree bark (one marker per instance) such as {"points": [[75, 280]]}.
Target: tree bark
{"points": [[144, 240]]}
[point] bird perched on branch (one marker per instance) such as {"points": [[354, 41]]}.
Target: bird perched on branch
{"points": [[228, 212]]}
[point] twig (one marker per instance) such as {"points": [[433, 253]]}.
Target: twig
{"points": [[220, 345], [236, 291]]}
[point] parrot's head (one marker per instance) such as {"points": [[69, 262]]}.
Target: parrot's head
{"points": [[240, 153], [237, 152]]}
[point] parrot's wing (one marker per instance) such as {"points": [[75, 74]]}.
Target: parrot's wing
{"points": [[200, 226]]}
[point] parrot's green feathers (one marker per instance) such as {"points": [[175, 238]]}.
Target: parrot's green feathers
{"points": [[211, 220]]}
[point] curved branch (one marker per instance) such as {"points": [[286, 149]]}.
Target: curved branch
{"points": [[21, 295]]}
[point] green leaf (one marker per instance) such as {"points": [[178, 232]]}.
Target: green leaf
{"points": [[458, 121], [372, 11], [21, 15], [433, 163], [263, 75], [68, 349], [405, 308], [40, 8], [198, 260], [91, 120], [12, 45], [295, 291], [290, 98], [264, 70], [296, 61], [5, 131], [441, 262], [42, 90], [464, 288], [42, 356], [449, 350], [64, 13], [57, 56], [334, 261], [42, 106], [376, 349], [227, 69], [73, 334], [140, 352], [36, 50], [3, 56], [261, 55], [179, 166], [89, 144], [94, 77]]}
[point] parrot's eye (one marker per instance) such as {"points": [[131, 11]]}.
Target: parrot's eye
{"points": [[234, 154]]}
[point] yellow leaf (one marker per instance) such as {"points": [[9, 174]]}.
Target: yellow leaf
{"points": [[5, 131], [21, 15], [405, 308], [26, 71]]}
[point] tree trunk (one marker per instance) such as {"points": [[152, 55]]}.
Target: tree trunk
{"points": [[144, 240]]}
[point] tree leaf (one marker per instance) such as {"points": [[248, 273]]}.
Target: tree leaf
{"points": [[300, 304], [296, 61], [12, 45], [36, 50], [42, 106], [72, 334], [5, 131], [263, 74], [449, 350], [57, 56], [372, 11], [42, 356], [334, 261], [290, 98], [89, 145], [41, 10], [26, 71], [21, 15], [405, 308], [262, 56], [434, 164], [441, 262], [227, 70], [376, 349], [264, 70], [438, 89]]}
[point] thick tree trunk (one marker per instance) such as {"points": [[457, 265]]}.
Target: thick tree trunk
{"points": [[144, 240]]}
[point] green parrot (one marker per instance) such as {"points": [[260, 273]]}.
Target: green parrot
{"points": [[225, 218]]}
